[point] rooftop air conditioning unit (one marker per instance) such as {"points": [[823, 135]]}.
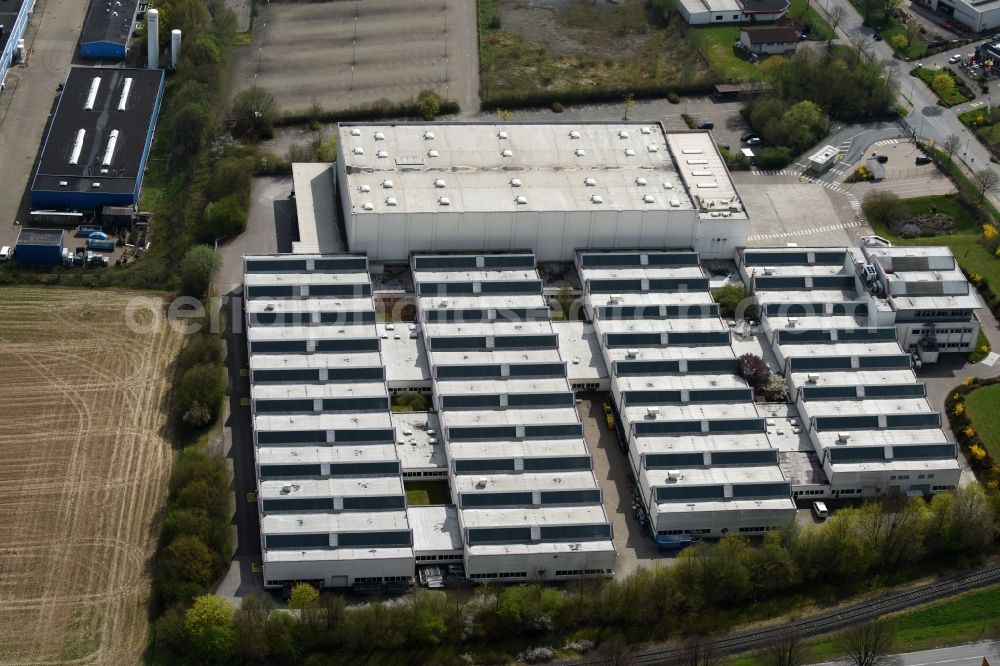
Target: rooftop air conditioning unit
{"points": [[432, 153], [580, 152], [813, 378], [632, 353], [843, 436], [432, 441], [287, 488], [622, 134], [506, 152], [629, 152], [574, 134], [481, 482], [379, 136], [501, 134], [673, 474], [646, 130], [652, 412], [640, 181], [792, 321], [355, 131], [428, 135]]}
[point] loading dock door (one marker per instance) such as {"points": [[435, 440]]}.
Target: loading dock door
{"points": [[338, 581]]}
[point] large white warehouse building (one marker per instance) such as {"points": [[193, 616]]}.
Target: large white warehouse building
{"points": [[548, 188]]}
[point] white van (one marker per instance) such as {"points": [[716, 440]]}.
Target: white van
{"points": [[820, 510], [4, 253]]}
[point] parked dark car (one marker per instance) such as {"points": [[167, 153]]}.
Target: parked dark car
{"points": [[923, 159], [749, 135], [753, 141], [877, 37], [706, 125], [881, 159]]}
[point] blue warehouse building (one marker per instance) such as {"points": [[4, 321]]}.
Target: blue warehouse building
{"points": [[107, 28], [99, 139], [39, 247], [13, 20]]}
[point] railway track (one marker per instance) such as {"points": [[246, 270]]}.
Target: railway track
{"points": [[825, 622]]}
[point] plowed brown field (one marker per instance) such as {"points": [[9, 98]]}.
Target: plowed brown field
{"points": [[84, 463]]}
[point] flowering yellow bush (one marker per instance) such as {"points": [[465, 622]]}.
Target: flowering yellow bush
{"points": [[997, 252], [984, 349], [977, 452], [968, 381], [959, 409], [971, 432], [990, 232], [992, 485], [975, 278]]}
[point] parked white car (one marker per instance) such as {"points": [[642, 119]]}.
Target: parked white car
{"points": [[4, 253], [955, 58]]}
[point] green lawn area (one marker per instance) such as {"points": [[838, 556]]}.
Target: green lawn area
{"points": [[982, 349], [965, 243], [915, 49], [981, 408], [990, 133], [423, 493], [716, 45], [972, 617], [949, 97], [803, 9]]}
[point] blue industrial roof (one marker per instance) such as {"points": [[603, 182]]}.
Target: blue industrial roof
{"points": [[109, 21]]}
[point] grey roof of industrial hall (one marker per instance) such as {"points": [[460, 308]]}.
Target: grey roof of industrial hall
{"points": [[51, 237], [555, 166], [109, 21]]}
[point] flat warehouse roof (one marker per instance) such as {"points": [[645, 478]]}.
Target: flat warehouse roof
{"points": [[503, 386], [813, 296], [698, 325], [283, 455], [50, 237], [347, 521], [355, 389], [109, 21], [314, 361], [356, 555], [486, 166], [859, 378], [534, 516], [829, 439], [671, 353], [699, 443], [728, 508], [435, 528], [579, 347], [629, 299], [649, 272], [454, 418], [674, 382], [868, 406], [447, 330], [469, 483], [449, 302], [415, 449], [543, 547], [472, 357], [100, 130], [333, 487], [304, 278], [272, 422], [280, 306], [705, 176], [841, 349], [526, 448], [339, 332], [707, 411], [483, 275], [933, 465], [314, 207], [701, 476]]}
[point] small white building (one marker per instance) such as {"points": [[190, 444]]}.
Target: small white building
{"points": [[769, 39], [705, 12], [823, 159]]}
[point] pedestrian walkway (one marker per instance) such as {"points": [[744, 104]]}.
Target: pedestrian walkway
{"points": [[853, 224]]}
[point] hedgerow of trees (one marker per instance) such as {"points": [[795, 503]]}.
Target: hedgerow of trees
{"points": [[804, 92], [706, 588]]}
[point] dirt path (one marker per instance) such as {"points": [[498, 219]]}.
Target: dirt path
{"points": [[84, 473]]}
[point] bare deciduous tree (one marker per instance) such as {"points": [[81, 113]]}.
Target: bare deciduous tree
{"points": [[786, 649], [615, 652], [950, 145], [837, 17], [985, 180], [697, 651], [868, 644]]}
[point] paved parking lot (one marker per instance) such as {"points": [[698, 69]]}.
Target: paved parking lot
{"points": [[902, 175], [344, 54], [28, 100], [634, 547]]}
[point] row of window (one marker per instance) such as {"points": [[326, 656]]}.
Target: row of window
{"points": [[748, 530], [904, 477], [439, 558], [494, 576], [848, 491], [953, 345], [806, 493], [942, 313], [436, 474], [942, 488], [587, 386], [382, 579], [696, 531], [585, 572], [944, 331]]}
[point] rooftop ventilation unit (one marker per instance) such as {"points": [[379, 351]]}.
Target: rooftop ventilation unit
{"points": [[640, 181], [515, 182], [648, 198], [622, 134], [443, 303], [843, 436], [439, 183], [379, 136], [481, 482], [506, 152], [597, 198], [667, 185], [358, 150], [110, 150], [382, 154], [355, 131], [123, 101], [387, 184], [589, 182], [365, 188], [444, 201], [812, 378], [432, 153], [74, 157], [673, 474], [428, 135], [652, 148], [96, 185], [580, 152], [521, 199], [629, 152], [390, 201], [63, 183], [573, 134], [675, 203], [95, 85], [646, 130], [652, 412], [792, 321], [501, 134], [368, 205], [632, 353]]}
